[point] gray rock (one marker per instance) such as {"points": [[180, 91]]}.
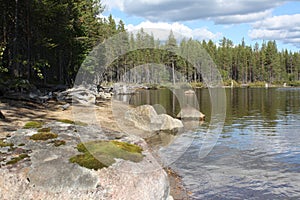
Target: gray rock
{"points": [[169, 123], [190, 112], [50, 175], [66, 106], [104, 95], [51, 170], [145, 118]]}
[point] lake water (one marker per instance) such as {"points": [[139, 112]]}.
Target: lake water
{"points": [[257, 155]]}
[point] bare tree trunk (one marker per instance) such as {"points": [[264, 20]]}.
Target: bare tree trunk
{"points": [[173, 72]]}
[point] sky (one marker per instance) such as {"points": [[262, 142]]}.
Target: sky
{"points": [[253, 20]]}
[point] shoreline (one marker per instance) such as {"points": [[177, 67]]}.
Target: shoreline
{"points": [[17, 113]]}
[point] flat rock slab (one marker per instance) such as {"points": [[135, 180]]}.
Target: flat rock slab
{"points": [[52, 171]]}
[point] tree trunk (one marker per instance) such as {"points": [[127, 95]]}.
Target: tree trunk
{"points": [[173, 72], [15, 70]]}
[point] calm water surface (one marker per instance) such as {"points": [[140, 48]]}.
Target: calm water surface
{"points": [[257, 156]]}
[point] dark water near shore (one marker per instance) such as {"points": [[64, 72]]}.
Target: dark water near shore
{"points": [[257, 155]]}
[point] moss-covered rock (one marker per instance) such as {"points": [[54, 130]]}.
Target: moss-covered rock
{"points": [[99, 154], [128, 147], [17, 159], [5, 144], [67, 121], [44, 136], [88, 161], [42, 130], [58, 143], [33, 124]]}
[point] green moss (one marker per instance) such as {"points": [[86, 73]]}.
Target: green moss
{"points": [[128, 147], [43, 136], [17, 159], [5, 144], [88, 161], [99, 154], [33, 124], [41, 130], [58, 143], [22, 144], [67, 121]]}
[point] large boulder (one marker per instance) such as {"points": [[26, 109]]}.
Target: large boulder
{"points": [[169, 123], [145, 117], [190, 113], [104, 95], [48, 173]]}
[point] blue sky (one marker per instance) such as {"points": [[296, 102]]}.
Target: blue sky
{"points": [[253, 20]]}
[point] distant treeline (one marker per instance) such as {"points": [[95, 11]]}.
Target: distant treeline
{"points": [[240, 63], [46, 42]]}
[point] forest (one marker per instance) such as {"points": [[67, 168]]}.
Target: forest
{"points": [[45, 42]]}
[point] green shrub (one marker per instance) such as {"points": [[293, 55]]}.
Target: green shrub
{"points": [[197, 84], [294, 83], [257, 84]]}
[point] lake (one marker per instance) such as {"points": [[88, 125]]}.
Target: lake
{"points": [[257, 155]]}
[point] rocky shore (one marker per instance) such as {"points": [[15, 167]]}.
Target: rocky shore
{"points": [[46, 173]]}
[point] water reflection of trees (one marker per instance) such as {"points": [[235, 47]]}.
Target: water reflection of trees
{"points": [[264, 104]]}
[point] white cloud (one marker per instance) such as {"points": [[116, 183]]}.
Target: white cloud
{"points": [[109, 4], [285, 28], [222, 11], [161, 30], [279, 22], [235, 19]]}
